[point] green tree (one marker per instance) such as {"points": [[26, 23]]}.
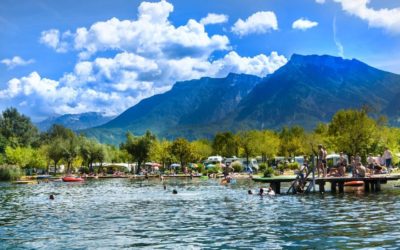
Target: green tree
{"points": [[267, 143], [70, 150], [139, 147], [182, 150], [18, 156], [247, 142], [55, 152], [201, 149], [17, 129], [225, 144], [292, 141], [353, 131], [91, 152], [161, 152]]}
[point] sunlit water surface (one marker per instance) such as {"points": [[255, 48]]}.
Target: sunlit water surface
{"points": [[123, 213]]}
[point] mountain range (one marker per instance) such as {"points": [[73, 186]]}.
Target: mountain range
{"points": [[75, 121], [305, 91]]}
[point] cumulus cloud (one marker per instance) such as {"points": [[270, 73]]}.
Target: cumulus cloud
{"points": [[388, 19], [259, 23], [53, 39], [303, 24], [320, 1], [212, 18], [16, 61], [148, 55], [259, 65]]}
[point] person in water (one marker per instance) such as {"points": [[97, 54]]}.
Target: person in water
{"points": [[261, 193], [249, 191], [174, 191], [51, 197], [271, 191]]}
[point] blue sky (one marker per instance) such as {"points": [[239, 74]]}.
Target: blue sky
{"points": [[74, 56]]}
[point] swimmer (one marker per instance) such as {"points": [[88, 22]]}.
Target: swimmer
{"points": [[174, 191], [165, 187], [51, 197], [261, 193], [271, 191], [250, 192]]}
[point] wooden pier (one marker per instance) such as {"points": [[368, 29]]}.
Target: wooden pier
{"points": [[370, 184]]}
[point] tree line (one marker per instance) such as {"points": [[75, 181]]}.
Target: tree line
{"points": [[351, 131]]}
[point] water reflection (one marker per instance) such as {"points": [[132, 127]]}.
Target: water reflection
{"points": [[123, 213]]}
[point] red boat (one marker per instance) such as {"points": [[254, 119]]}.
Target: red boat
{"points": [[72, 179], [353, 183]]}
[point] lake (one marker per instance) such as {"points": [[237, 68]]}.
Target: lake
{"points": [[124, 213]]}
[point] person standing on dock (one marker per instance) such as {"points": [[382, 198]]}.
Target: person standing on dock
{"points": [[320, 167], [387, 155]]}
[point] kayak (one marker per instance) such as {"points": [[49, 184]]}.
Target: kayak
{"points": [[71, 179], [353, 183]]}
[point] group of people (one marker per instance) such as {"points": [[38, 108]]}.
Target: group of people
{"points": [[270, 192], [375, 165]]}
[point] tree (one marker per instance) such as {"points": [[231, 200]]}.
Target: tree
{"points": [[292, 141], [92, 151], [17, 129], [201, 149], [161, 152], [70, 150], [225, 144], [247, 142], [267, 143], [55, 152], [182, 150], [139, 147], [353, 131], [18, 156]]}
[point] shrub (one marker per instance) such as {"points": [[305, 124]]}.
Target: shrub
{"points": [[214, 170], [200, 168], [262, 167], [237, 166], [10, 173], [269, 172], [293, 166]]}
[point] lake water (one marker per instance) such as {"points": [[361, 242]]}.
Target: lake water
{"points": [[123, 213]]}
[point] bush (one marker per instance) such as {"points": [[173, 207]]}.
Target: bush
{"points": [[269, 172], [293, 166], [214, 170], [200, 168], [237, 167], [10, 173], [262, 167]]}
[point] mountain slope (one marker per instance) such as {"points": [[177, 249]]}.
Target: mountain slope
{"points": [[75, 121], [188, 104], [309, 89]]}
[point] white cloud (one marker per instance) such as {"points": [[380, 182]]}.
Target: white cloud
{"points": [[212, 18], [148, 56], [53, 39], [303, 24], [16, 61], [389, 19], [259, 23], [259, 65], [320, 1], [338, 44]]}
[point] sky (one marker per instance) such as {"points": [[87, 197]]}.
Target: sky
{"points": [[69, 57]]}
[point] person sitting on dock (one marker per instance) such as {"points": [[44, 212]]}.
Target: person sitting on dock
{"points": [[321, 161], [360, 170]]}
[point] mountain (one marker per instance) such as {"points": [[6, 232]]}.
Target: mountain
{"points": [[310, 89], [305, 91], [75, 121], [180, 111]]}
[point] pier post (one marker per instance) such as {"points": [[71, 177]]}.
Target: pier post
{"points": [[341, 187], [373, 186], [321, 187], [378, 186], [276, 186], [366, 186], [333, 186]]}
